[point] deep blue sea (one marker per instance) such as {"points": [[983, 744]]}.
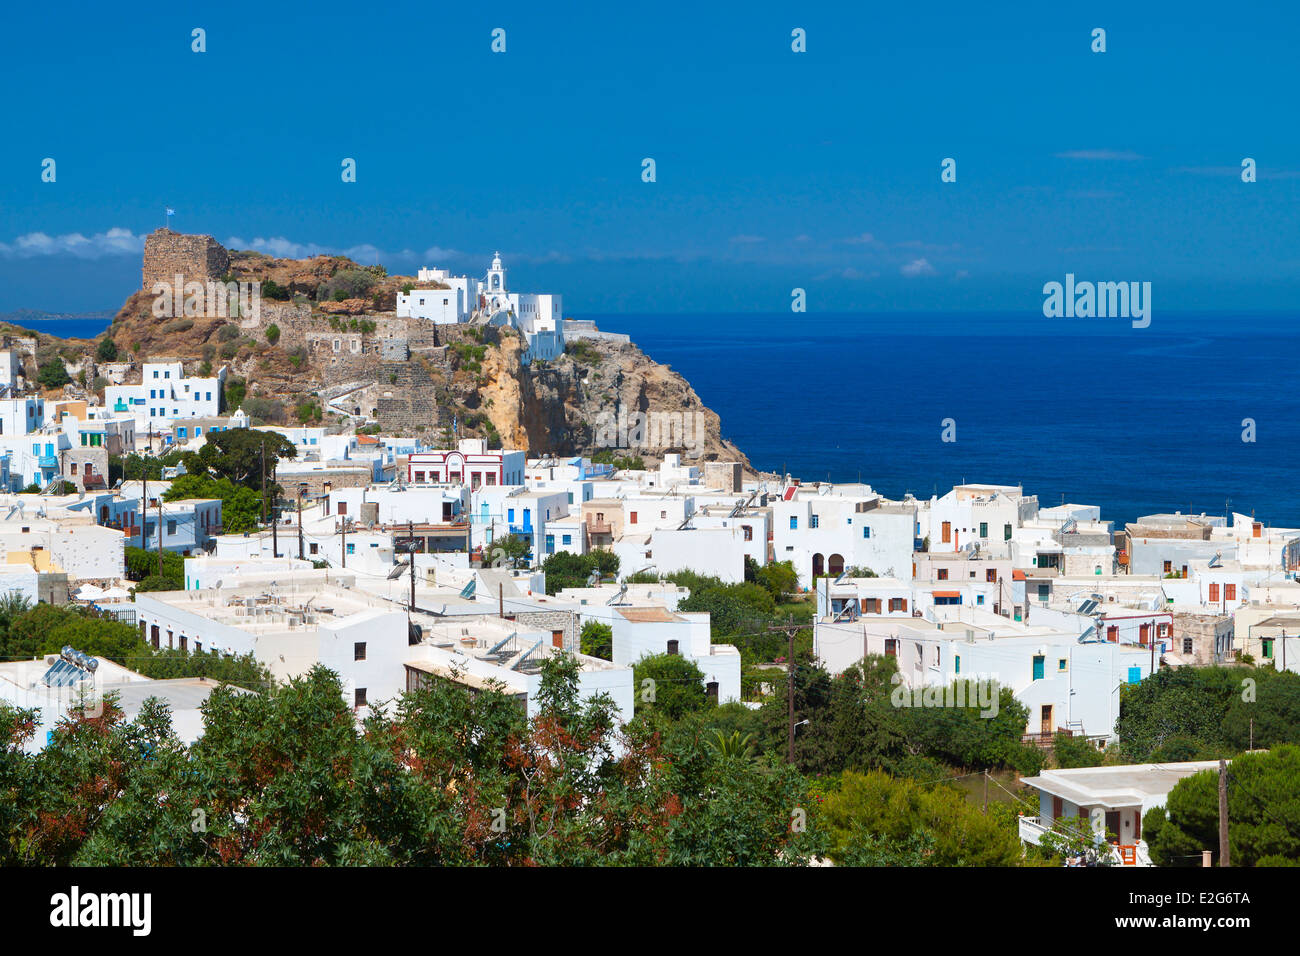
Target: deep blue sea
{"points": [[1137, 421], [1134, 420]]}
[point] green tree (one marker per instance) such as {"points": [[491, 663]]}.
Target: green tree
{"points": [[237, 454], [241, 507], [273, 333], [53, 374], [106, 351], [597, 640], [875, 805], [1263, 813], [510, 550], [677, 688]]}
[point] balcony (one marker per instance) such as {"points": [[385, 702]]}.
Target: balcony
{"points": [[1032, 830], [599, 527], [48, 461]]}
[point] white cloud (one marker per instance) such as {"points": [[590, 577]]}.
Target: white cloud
{"points": [[746, 239], [864, 239], [114, 242], [917, 267]]}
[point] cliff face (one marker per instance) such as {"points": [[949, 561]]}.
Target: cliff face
{"points": [[599, 397], [326, 336]]}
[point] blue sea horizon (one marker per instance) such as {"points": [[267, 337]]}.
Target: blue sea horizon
{"points": [[1089, 411]]}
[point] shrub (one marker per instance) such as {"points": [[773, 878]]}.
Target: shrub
{"points": [[53, 374], [227, 332], [352, 283], [107, 350], [273, 333], [177, 325], [273, 290]]}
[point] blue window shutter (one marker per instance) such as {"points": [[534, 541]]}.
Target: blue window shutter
{"points": [[1135, 675]]}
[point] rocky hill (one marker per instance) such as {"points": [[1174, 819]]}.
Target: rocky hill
{"points": [[327, 346]]}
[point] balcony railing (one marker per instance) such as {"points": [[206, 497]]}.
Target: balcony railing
{"points": [[599, 527]]}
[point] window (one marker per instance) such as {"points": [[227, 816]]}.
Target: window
{"points": [[947, 532], [510, 515], [343, 507], [984, 529], [866, 531], [359, 651], [991, 575], [359, 697], [631, 517], [171, 527], [1006, 532], [662, 514], [1061, 664], [1135, 675], [794, 523], [315, 548], [1187, 645], [979, 599], [814, 521], [1230, 592], [1169, 567], [566, 539], [352, 548], [1267, 647], [898, 604], [942, 574], [748, 532], [1214, 591], [956, 663]]}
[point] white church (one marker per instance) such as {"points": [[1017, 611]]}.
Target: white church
{"points": [[538, 317]]}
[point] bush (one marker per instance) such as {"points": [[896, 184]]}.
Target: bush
{"points": [[227, 333], [53, 374], [273, 290], [273, 333], [107, 350], [346, 284], [177, 325]]}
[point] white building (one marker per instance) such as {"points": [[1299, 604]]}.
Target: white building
{"points": [[1111, 800], [538, 316], [164, 395], [446, 306]]}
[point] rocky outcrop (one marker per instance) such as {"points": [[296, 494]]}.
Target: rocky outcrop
{"points": [[416, 378]]}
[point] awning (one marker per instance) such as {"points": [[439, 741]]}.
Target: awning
{"points": [[946, 594]]}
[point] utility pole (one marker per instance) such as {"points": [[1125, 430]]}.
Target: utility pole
{"points": [[344, 549], [1223, 814], [263, 482], [160, 534], [144, 491], [986, 793], [790, 630], [301, 556], [410, 533]]}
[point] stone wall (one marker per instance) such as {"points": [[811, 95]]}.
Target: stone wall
{"points": [[195, 258]]}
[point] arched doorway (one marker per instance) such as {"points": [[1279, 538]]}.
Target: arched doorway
{"points": [[835, 565], [818, 566]]}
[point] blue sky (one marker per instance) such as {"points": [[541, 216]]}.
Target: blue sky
{"points": [[775, 170]]}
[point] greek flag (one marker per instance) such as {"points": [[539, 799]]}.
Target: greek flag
{"points": [[171, 211]]}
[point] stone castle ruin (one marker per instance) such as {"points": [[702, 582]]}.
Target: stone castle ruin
{"points": [[168, 254]]}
